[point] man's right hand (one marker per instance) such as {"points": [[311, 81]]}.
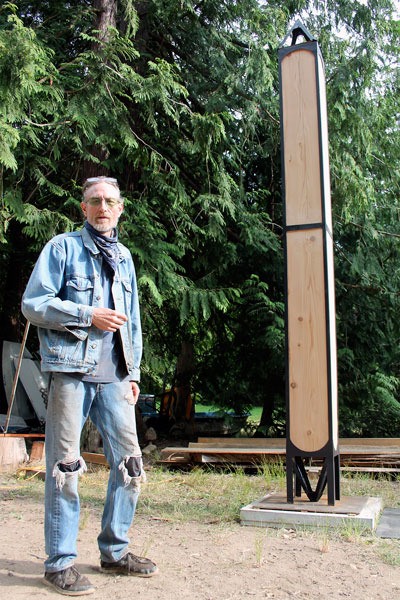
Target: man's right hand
{"points": [[107, 319]]}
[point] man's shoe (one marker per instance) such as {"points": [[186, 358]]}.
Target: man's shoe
{"points": [[69, 582], [130, 565]]}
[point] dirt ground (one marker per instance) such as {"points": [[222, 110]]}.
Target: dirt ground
{"points": [[196, 561]]}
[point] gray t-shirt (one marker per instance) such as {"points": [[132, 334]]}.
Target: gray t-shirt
{"points": [[112, 365]]}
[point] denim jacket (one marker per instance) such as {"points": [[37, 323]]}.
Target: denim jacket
{"points": [[62, 291]]}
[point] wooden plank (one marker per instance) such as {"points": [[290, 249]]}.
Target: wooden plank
{"points": [[351, 455], [301, 139], [226, 451], [346, 505], [370, 469], [95, 458], [23, 435], [344, 448], [240, 442], [38, 451], [356, 454], [386, 452], [307, 342], [373, 450], [232, 442], [370, 441]]}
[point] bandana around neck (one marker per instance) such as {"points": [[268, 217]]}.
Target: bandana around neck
{"points": [[106, 244]]}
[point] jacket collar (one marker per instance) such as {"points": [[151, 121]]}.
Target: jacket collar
{"points": [[88, 241]]}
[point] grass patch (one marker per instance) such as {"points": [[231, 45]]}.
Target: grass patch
{"points": [[389, 552], [254, 411], [381, 485], [201, 495], [205, 495]]}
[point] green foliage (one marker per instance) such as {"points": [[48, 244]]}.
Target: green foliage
{"points": [[24, 66]]}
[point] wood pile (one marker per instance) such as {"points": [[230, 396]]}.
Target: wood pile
{"points": [[356, 454], [370, 455]]}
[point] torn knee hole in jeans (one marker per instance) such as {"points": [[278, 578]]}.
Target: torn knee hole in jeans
{"points": [[68, 468], [132, 471]]}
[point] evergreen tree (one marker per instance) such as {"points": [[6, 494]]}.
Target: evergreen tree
{"points": [[180, 102]]}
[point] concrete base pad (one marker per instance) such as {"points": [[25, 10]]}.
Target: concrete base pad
{"points": [[274, 511]]}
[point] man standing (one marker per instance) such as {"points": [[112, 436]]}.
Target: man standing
{"points": [[82, 296]]}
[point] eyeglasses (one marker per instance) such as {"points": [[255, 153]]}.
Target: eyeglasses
{"points": [[111, 202]]}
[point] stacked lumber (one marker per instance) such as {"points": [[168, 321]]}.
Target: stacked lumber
{"points": [[371, 455], [358, 454]]}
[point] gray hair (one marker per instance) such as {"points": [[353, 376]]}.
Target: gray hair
{"points": [[101, 179]]}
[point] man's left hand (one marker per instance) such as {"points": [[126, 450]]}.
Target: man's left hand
{"points": [[135, 391]]}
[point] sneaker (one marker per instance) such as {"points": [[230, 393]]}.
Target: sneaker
{"points": [[130, 565], [69, 582]]}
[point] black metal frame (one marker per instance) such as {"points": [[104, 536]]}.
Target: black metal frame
{"points": [[296, 474]]}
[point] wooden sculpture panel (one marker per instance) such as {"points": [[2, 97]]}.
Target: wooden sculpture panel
{"points": [[311, 370], [301, 139], [308, 384]]}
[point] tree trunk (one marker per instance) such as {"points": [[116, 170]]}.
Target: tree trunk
{"points": [[105, 17], [273, 409], [184, 410]]}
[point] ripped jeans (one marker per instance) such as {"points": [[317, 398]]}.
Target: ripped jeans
{"points": [[110, 407]]}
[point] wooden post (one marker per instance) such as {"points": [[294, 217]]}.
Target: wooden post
{"points": [[311, 371], [12, 453]]}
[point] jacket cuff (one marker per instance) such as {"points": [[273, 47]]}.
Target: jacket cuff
{"points": [[85, 315]]}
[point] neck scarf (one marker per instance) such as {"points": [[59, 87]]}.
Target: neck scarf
{"points": [[107, 245]]}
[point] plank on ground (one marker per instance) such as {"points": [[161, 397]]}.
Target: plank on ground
{"points": [[273, 442], [240, 442], [344, 450], [94, 458], [206, 451]]}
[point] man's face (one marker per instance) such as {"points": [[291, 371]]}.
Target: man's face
{"points": [[100, 215]]}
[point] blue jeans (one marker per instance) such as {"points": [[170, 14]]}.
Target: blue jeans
{"points": [[111, 408]]}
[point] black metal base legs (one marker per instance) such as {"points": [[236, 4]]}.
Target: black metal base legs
{"points": [[329, 477]]}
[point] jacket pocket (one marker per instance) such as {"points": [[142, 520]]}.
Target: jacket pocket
{"points": [[127, 286], [126, 295], [80, 290], [62, 347]]}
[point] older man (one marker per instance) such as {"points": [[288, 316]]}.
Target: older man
{"points": [[82, 296]]}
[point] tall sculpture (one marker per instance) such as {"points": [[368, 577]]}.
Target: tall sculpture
{"points": [[311, 372]]}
